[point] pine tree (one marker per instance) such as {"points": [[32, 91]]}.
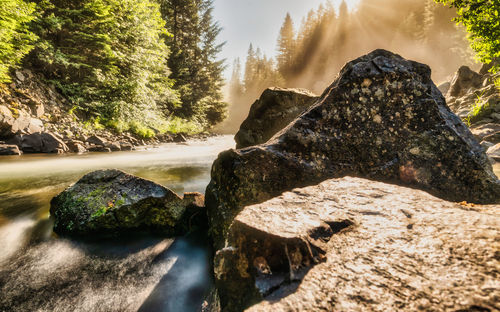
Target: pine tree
{"points": [[15, 38], [250, 67], [236, 88], [107, 57], [286, 48], [183, 21], [211, 78], [195, 68]]}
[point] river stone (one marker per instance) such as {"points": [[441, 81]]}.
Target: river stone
{"points": [[464, 79], [273, 111], [97, 140], [43, 143], [352, 244], [494, 152], [76, 146], [382, 118], [111, 202]]}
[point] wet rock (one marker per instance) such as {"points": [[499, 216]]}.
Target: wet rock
{"points": [[383, 118], [273, 111], [112, 202], [76, 146], [96, 140], [365, 246], [99, 149], [9, 150], [126, 146], [114, 146], [463, 81], [42, 143], [177, 138]]}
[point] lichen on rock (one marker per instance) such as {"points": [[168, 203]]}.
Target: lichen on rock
{"points": [[396, 127], [111, 202]]}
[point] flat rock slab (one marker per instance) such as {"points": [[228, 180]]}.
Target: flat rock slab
{"points": [[112, 202], [353, 244]]}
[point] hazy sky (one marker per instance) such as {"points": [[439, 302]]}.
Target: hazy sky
{"points": [[258, 22]]}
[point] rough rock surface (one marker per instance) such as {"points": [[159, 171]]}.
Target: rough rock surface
{"points": [[273, 111], [476, 103], [17, 121], [479, 105], [382, 118], [42, 143], [352, 244], [110, 202], [464, 79]]}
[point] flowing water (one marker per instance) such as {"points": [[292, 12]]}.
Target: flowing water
{"points": [[42, 272]]}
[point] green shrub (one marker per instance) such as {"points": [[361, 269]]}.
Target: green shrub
{"points": [[15, 38]]}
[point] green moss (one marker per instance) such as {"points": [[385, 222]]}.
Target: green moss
{"points": [[100, 212]]}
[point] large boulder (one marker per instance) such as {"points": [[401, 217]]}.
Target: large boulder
{"points": [[464, 80], [273, 111], [112, 202], [352, 244], [383, 118], [42, 143]]}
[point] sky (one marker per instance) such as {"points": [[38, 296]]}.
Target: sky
{"points": [[258, 22]]}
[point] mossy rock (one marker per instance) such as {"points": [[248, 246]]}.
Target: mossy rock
{"points": [[111, 202]]}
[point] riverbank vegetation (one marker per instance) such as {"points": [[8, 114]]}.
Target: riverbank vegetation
{"points": [[144, 66]]}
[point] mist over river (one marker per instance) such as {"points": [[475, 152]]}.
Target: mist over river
{"points": [[42, 272]]}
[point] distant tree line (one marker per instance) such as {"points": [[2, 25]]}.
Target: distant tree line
{"points": [[140, 65], [311, 56]]}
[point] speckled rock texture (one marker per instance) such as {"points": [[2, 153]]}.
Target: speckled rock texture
{"points": [[352, 244], [272, 112], [382, 118], [112, 202]]}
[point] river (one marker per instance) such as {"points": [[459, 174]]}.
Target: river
{"points": [[42, 272]]}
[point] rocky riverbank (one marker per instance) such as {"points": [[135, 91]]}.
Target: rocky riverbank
{"points": [[475, 98], [375, 197], [35, 118], [352, 243]]}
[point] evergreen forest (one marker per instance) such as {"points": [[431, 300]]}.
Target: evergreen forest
{"points": [[147, 66]]}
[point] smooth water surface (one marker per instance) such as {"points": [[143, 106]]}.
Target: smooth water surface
{"points": [[41, 272]]}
